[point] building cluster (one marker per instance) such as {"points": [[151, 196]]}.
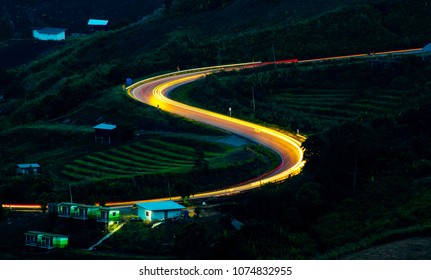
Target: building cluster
{"points": [[49, 241], [148, 212]]}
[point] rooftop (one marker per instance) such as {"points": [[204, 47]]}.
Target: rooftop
{"points": [[97, 22], [160, 205], [28, 165], [427, 48], [105, 126], [51, 30]]}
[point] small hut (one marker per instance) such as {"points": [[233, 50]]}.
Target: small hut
{"points": [[97, 24], [46, 240], [27, 168], [108, 214], [104, 132]]}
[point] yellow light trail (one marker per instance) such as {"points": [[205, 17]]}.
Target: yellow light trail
{"points": [[154, 92], [159, 99]]}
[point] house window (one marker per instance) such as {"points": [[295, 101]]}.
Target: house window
{"points": [[114, 214], [147, 213]]}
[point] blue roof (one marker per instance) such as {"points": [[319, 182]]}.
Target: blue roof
{"points": [[427, 48], [28, 165], [97, 22], [160, 205], [105, 126], [51, 30]]}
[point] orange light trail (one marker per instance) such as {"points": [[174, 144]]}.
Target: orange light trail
{"points": [[155, 93], [159, 98]]}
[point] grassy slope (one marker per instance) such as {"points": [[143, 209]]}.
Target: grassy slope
{"points": [[184, 48]]}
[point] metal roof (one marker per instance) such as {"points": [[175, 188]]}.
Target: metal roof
{"points": [[51, 30], [28, 165], [160, 205], [105, 126], [427, 48], [92, 21]]}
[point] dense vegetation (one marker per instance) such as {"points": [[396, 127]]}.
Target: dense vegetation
{"points": [[367, 175], [368, 156]]}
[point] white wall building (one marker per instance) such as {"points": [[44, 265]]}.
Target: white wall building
{"points": [[151, 212]]}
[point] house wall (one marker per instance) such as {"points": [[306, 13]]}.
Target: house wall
{"points": [[114, 215], [26, 171], [60, 242], [154, 216]]}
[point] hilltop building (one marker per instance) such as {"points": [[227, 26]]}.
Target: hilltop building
{"points": [[50, 34], [97, 24]]}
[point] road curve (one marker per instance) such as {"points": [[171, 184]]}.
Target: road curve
{"points": [[155, 92], [144, 91]]}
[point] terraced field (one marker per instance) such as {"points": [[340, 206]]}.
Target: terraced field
{"points": [[157, 155], [321, 108]]}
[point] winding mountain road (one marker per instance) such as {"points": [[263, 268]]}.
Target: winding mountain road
{"points": [[155, 92]]}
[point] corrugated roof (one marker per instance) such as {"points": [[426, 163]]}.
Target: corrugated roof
{"points": [[160, 205], [92, 21], [105, 126], [28, 165]]}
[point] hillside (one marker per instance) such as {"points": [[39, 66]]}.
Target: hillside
{"points": [[366, 181]]}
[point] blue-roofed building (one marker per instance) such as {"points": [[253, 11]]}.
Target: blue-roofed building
{"points": [[427, 49], [98, 24], [50, 34], [151, 212], [27, 168], [104, 132]]}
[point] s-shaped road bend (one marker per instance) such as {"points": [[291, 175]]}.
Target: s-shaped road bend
{"points": [[155, 92]]}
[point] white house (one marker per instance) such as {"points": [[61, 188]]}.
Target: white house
{"points": [[50, 34], [151, 212]]}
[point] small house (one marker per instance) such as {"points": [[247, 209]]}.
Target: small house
{"points": [[46, 240], [108, 214], [97, 24], [151, 212], [86, 212], [50, 34], [27, 168], [104, 132], [67, 209]]}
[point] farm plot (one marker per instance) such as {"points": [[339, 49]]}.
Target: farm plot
{"points": [[157, 155], [329, 107]]}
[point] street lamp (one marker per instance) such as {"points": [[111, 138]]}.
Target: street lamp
{"points": [[230, 112]]}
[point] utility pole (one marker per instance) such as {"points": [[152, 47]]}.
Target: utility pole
{"points": [[169, 190], [252, 94], [70, 192]]}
